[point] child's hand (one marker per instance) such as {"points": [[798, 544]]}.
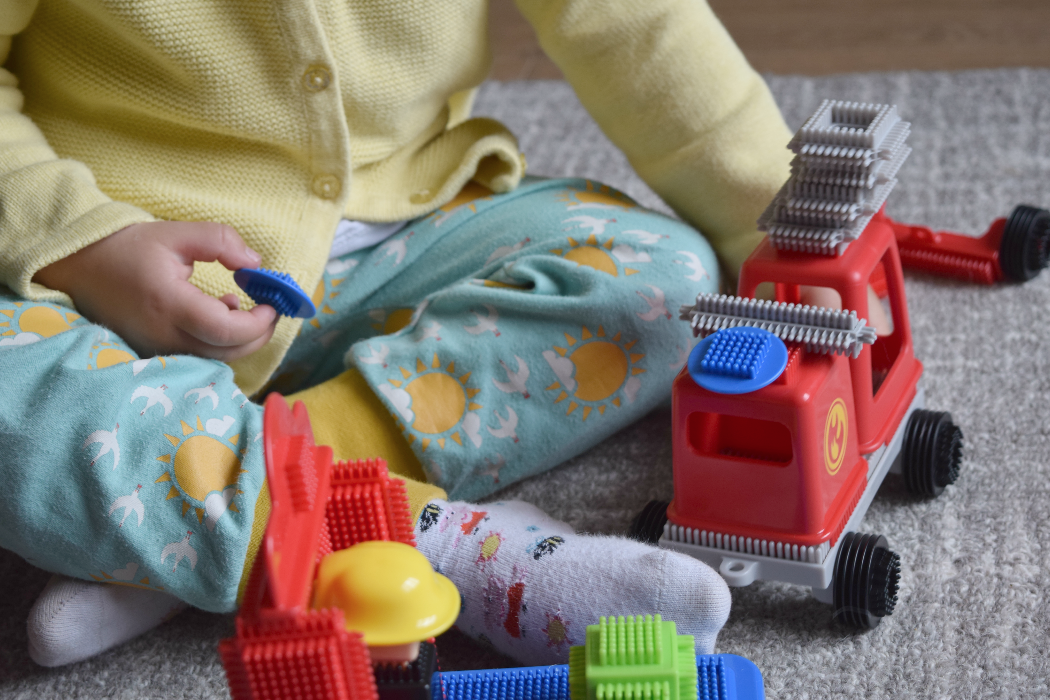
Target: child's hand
{"points": [[830, 299], [135, 282]]}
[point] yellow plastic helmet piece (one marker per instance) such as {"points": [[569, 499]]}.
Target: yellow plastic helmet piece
{"points": [[387, 591]]}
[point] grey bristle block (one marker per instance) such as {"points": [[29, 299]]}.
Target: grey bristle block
{"points": [[819, 329], [851, 124]]}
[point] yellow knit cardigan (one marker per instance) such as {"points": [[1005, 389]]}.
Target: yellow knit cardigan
{"points": [[278, 117]]}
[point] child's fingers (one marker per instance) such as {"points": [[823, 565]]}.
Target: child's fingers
{"points": [[231, 301], [228, 354], [208, 241], [212, 323]]}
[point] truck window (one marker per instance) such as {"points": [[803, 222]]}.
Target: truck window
{"points": [[739, 437], [887, 344]]}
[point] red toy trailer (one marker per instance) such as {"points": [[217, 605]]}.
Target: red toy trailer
{"points": [[1014, 248], [788, 417]]}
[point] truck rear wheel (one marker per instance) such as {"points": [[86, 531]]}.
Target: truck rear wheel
{"points": [[931, 453], [1023, 251], [648, 525], [865, 581]]}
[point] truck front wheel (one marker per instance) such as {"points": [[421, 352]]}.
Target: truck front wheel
{"points": [[865, 581], [931, 452], [648, 525]]}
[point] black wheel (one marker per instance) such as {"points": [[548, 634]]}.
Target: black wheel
{"points": [[931, 453], [1024, 248], [865, 582], [648, 525]]}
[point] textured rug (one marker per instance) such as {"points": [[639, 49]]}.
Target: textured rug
{"points": [[971, 620]]}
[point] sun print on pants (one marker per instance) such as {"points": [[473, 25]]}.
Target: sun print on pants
{"points": [[435, 404], [203, 470], [128, 576], [607, 257], [105, 354], [390, 322], [22, 326], [465, 201], [595, 371], [594, 196]]}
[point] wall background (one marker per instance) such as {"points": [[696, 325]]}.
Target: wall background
{"points": [[822, 37]]}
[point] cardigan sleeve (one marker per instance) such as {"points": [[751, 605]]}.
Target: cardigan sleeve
{"points": [[669, 87], [50, 207]]}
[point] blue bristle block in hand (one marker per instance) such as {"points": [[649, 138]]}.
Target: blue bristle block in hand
{"points": [[277, 289]]}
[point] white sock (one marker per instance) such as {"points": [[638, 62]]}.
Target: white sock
{"points": [[531, 586], [73, 620]]}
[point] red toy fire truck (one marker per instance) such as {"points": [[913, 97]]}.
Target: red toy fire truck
{"points": [[788, 417]]}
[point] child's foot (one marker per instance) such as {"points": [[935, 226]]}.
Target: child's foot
{"points": [[73, 620], [530, 585]]}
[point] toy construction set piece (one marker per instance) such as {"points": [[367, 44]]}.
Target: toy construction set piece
{"points": [[738, 361], [771, 482], [339, 601], [846, 157], [285, 647], [846, 160], [818, 329], [1014, 248], [277, 289], [389, 593], [626, 658], [413, 681]]}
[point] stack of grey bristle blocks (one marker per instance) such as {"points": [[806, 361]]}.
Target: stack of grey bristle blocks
{"points": [[846, 158]]}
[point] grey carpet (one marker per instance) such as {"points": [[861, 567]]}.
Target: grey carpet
{"points": [[971, 621]]}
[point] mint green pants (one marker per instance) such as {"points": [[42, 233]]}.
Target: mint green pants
{"points": [[505, 333]]}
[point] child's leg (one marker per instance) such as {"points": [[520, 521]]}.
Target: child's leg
{"points": [[506, 337], [531, 585], [143, 473], [73, 620], [513, 332]]}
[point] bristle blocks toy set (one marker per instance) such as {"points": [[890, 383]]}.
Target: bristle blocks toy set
{"points": [[339, 602]]}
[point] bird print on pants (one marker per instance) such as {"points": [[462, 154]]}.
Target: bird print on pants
{"points": [[181, 550], [108, 440], [131, 504]]}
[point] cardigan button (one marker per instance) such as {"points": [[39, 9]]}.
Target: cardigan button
{"points": [[327, 186], [317, 78]]}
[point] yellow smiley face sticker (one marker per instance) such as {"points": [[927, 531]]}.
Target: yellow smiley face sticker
{"points": [[836, 428]]}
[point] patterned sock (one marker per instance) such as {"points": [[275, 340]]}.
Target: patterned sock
{"points": [[73, 620], [530, 585]]}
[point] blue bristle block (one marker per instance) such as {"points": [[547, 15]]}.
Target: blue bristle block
{"points": [[737, 360], [711, 680], [277, 289], [719, 677], [537, 683], [736, 354]]}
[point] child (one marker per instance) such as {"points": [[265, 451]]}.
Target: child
{"points": [[481, 327]]}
